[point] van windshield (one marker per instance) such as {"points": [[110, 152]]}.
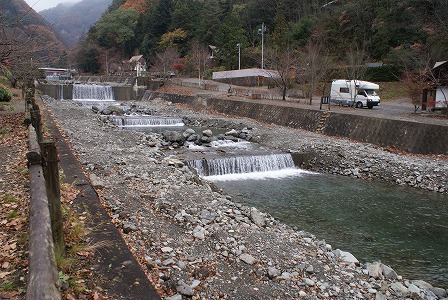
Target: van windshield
{"points": [[371, 92]]}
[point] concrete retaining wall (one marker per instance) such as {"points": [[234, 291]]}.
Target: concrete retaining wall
{"points": [[65, 91], [407, 136]]}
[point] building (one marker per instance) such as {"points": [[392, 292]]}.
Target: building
{"points": [[435, 97]]}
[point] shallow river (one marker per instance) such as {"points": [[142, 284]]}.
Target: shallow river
{"points": [[402, 227]]}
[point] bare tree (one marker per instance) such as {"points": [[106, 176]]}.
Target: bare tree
{"points": [[314, 66], [355, 68], [164, 61], [201, 58], [281, 64]]}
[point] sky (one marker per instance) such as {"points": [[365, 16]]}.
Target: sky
{"points": [[39, 5]]}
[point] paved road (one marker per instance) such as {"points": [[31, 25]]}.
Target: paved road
{"points": [[393, 109]]}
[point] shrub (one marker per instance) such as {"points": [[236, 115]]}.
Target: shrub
{"points": [[5, 94]]}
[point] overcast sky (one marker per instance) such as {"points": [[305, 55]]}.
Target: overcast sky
{"points": [[39, 5]]}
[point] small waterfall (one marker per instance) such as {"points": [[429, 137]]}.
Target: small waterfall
{"points": [[242, 164], [82, 92], [146, 121]]}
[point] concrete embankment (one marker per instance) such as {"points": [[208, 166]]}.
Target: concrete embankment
{"points": [[409, 136]]}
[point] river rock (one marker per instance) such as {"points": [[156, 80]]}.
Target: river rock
{"points": [[346, 256], [257, 217], [207, 133], [388, 272], [375, 270], [247, 258], [113, 110], [184, 288], [97, 183], [273, 272]]}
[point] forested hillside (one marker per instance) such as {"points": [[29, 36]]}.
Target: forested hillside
{"points": [[26, 40], [401, 33], [72, 21]]}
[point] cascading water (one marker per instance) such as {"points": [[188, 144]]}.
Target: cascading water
{"points": [[146, 121], [233, 168], [93, 92]]}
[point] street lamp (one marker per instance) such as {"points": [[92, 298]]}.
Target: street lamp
{"points": [[239, 56], [261, 31]]}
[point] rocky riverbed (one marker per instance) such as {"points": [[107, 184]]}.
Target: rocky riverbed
{"points": [[195, 242]]}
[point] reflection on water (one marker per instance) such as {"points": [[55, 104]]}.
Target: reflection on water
{"points": [[399, 226]]}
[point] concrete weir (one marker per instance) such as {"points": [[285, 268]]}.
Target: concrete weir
{"points": [[412, 137]]}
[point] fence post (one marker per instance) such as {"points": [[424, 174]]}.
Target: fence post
{"points": [[51, 174]]}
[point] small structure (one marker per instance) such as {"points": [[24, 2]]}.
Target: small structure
{"points": [[247, 77], [136, 64], [435, 96], [57, 73]]}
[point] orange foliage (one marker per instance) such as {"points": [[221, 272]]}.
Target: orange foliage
{"points": [[138, 5]]}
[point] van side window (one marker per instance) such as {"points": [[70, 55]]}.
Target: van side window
{"points": [[362, 93], [344, 90]]}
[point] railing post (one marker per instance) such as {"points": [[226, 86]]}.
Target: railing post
{"points": [[51, 174]]}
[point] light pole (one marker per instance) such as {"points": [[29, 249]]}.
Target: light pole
{"points": [[239, 55], [261, 31]]}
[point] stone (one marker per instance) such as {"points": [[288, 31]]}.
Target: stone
{"points": [[97, 183], [247, 258], [167, 249], [399, 288], [388, 272], [346, 256], [257, 217], [207, 133], [374, 270], [173, 297], [199, 232], [439, 292], [308, 282], [113, 110], [273, 272], [184, 288], [414, 289]]}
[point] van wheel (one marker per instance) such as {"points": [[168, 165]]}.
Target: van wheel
{"points": [[359, 105], [370, 106]]}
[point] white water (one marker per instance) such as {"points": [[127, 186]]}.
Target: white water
{"points": [[146, 121], [240, 144], [245, 167], [92, 92], [279, 174]]}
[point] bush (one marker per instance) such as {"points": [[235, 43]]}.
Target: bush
{"points": [[5, 94]]}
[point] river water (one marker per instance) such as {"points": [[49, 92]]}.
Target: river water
{"points": [[402, 227]]}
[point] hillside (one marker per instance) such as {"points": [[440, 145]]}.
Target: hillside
{"points": [[26, 39], [399, 33], [71, 22]]}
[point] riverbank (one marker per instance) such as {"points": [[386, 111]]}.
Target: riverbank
{"points": [[193, 241]]}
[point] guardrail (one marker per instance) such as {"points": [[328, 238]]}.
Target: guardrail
{"points": [[44, 212]]}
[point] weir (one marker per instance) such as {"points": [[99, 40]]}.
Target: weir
{"points": [[95, 92], [146, 121], [242, 164]]}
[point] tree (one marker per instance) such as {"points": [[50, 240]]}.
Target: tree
{"points": [[117, 28], [164, 61], [314, 65], [173, 39], [200, 57], [282, 62]]}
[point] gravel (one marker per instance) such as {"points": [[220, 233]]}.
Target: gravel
{"points": [[195, 242]]}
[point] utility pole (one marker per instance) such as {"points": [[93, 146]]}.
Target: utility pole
{"points": [[261, 31], [239, 55]]}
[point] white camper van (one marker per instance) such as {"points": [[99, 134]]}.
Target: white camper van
{"points": [[356, 93]]}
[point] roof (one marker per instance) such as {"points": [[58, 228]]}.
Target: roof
{"points": [[439, 63], [135, 58], [245, 73]]}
